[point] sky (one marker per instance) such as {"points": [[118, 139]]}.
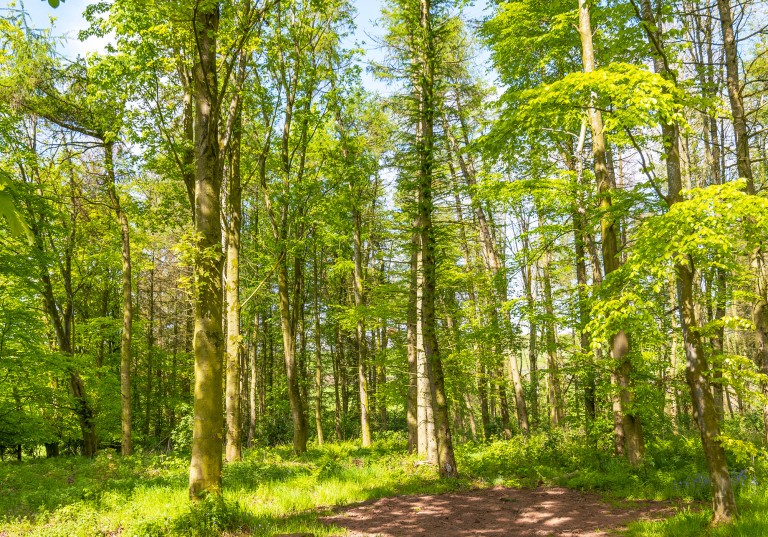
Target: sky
{"points": [[69, 22]]}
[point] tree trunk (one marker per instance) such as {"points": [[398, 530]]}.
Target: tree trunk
{"points": [[503, 403], [362, 345], [234, 432], [381, 372], [578, 214], [482, 394], [126, 423], [718, 343], [427, 342], [318, 356], [291, 370], [150, 349], [412, 401], [471, 416], [744, 166], [253, 381], [493, 263], [208, 342], [527, 274], [723, 501], [337, 361], [620, 341], [675, 410], [556, 412], [517, 385]]}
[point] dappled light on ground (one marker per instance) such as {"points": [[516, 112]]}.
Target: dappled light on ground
{"points": [[495, 512]]}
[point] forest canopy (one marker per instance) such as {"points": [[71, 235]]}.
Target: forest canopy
{"points": [[237, 226]]}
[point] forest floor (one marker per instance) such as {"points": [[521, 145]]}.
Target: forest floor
{"points": [[499, 511], [549, 483]]}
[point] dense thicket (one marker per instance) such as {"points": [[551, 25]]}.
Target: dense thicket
{"points": [[214, 236]]}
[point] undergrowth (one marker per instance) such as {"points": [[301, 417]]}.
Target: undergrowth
{"points": [[272, 491]]}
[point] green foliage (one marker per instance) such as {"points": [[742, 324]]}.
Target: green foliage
{"points": [[629, 97], [210, 517], [711, 228], [9, 211], [272, 491]]}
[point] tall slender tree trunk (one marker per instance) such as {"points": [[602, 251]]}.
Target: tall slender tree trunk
{"points": [[126, 421], [718, 343], [480, 377], [318, 354], [381, 373], [253, 382], [208, 342], [704, 412], [527, 274], [288, 329], [338, 359], [579, 240], [412, 401], [362, 345], [151, 373], [556, 411], [503, 403], [234, 224], [744, 166], [675, 403], [620, 344], [703, 57], [493, 263], [517, 385], [427, 442], [426, 251]]}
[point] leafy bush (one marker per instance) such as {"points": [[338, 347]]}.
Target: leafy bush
{"points": [[210, 517]]}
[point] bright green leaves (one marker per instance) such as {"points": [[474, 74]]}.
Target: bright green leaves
{"points": [[711, 229], [628, 96], [54, 3], [531, 40], [716, 227], [8, 210]]}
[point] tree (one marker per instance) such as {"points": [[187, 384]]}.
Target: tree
{"points": [[724, 503], [744, 168], [620, 342], [205, 466]]}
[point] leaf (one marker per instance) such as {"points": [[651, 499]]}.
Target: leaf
{"points": [[16, 223]]}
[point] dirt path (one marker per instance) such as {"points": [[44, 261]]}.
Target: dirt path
{"points": [[494, 512]]}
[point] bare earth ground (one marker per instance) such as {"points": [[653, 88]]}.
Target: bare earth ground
{"points": [[495, 512]]}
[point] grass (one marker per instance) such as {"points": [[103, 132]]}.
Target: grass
{"points": [[271, 491]]}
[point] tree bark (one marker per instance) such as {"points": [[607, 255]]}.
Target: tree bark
{"points": [[126, 423], [556, 411], [412, 401], [426, 251], [723, 500], [150, 348], [744, 167], [362, 344], [233, 375], [253, 381], [527, 275], [208, 342], [318, 355], [620, 341]]}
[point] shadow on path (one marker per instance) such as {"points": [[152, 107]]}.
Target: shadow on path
{"points": [[494, 512]]}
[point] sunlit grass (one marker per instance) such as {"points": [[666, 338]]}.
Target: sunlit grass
{"points": [[271, 491]]}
